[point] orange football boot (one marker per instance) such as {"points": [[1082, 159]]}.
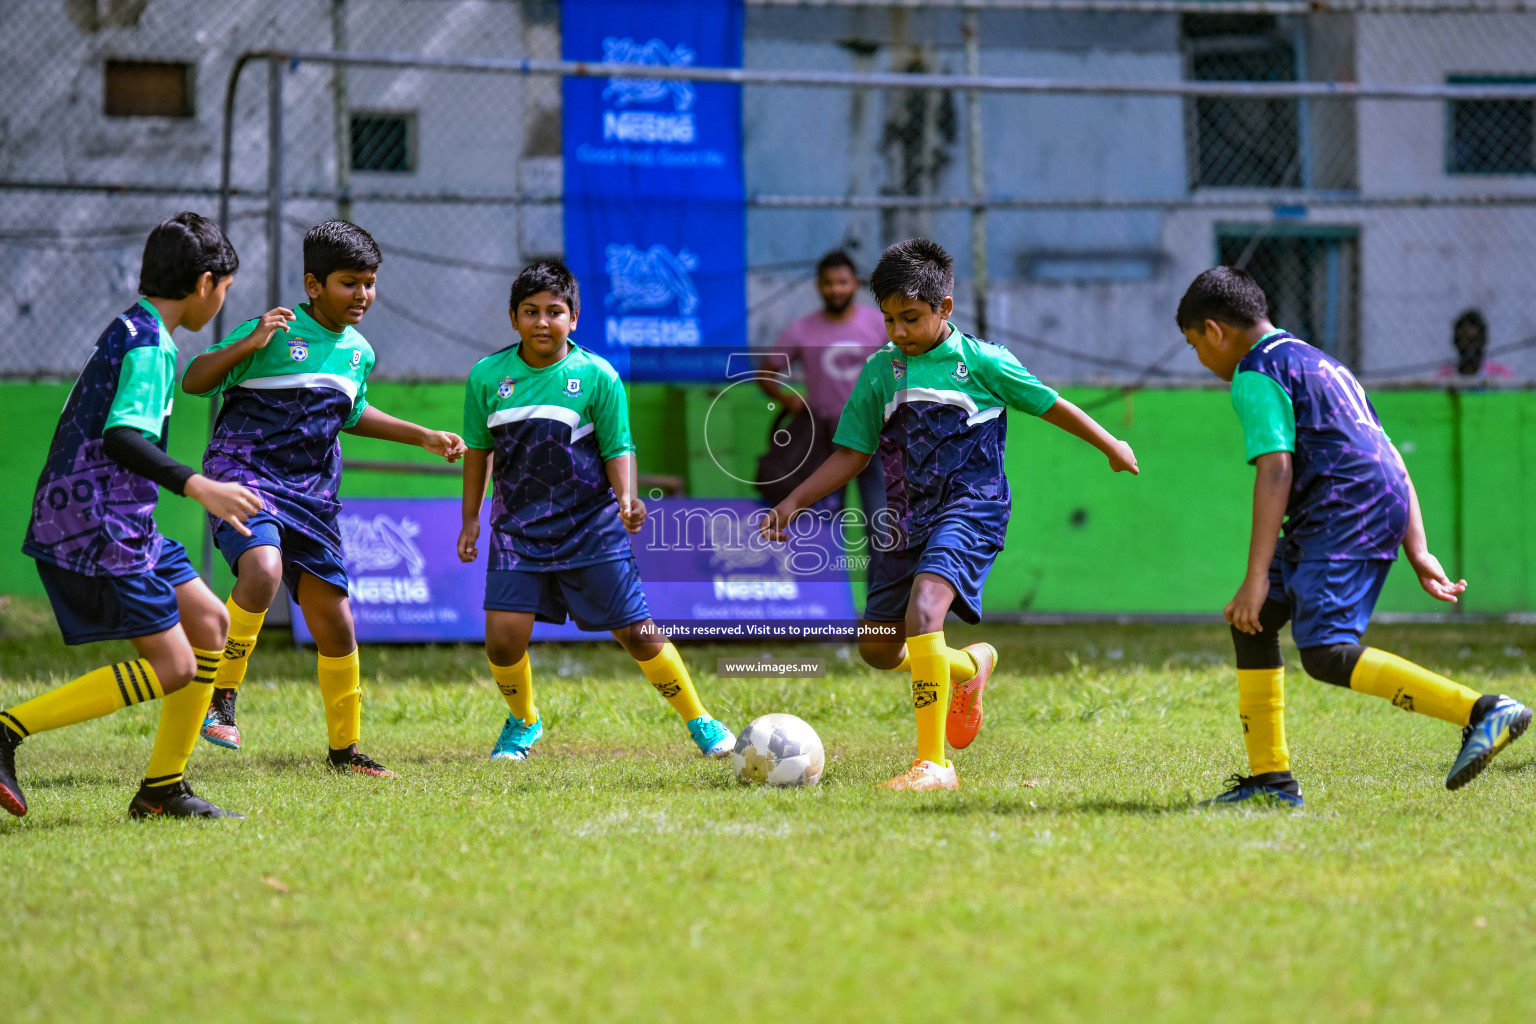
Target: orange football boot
{"points": [[925, 775], [965, 709]]}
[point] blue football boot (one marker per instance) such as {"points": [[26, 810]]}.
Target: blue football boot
{"points": [[516, 738], [1271, 789], [1504, 723], [713, 738]]}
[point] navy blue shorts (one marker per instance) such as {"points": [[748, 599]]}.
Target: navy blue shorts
{"points": [[301, 552], [597, 597], [955, 551], [1330, 602], [92, 608]]}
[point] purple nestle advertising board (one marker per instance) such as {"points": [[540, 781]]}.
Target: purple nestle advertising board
{"points": [[707, 575]]}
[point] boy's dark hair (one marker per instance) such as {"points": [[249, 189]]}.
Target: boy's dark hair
{"points": [[1225, 294], [546, 276], [914, 269], [179, 251], [834, 259], [339, 245]]}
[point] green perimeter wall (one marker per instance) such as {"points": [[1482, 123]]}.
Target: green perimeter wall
{"points": [[1082, 539]]}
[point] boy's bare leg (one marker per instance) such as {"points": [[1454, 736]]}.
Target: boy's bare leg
{"points": [[663, 666], [164, 792], [930, 659], [329, 617], [256, 585], [506, 648]]}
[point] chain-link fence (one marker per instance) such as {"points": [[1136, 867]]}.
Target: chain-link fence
{"points": [[1139, 143]]}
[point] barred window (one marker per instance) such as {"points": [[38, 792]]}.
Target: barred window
{"points": [[1242, 143], [1310, 274], [1491, 136], [384, 142]]}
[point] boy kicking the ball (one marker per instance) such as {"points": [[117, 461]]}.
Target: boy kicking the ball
{"points": [[1329, 474], [932, 403], [548, 420]]}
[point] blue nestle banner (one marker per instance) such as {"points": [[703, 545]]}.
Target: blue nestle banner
{"points": [[655, 219], [707, 575]]}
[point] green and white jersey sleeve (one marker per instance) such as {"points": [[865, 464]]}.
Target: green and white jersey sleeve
{"points": [[1001, 375], [1266, 413], [609, 414], [146, 386], [864, 416], [478, 391]]}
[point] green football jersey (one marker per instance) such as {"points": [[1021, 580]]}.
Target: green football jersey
{"points": [[552, 430], [937, 421], [307, 357], [284, 409]]}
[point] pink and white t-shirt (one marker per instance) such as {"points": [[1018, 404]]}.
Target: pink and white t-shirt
{"points": [[832, 352]]}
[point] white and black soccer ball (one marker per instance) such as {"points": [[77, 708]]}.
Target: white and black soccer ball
{"points": [[779, 750]]}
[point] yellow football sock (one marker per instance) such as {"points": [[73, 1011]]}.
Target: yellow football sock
{"points": [[961, 665], [670, 676], [244, 627], [930, 693], [1412, 688], [343, 697], [1261, 706], [99, 692], [181, 718], [516, 684]]}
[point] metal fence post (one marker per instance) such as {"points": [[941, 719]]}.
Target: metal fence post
{"points": [[274, 180], [978, 178], [343, 118]]}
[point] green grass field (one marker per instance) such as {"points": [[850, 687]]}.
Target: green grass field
{"points": [[616, 877]]}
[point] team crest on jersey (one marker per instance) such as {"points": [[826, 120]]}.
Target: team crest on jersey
{"points": [[962, 372], [298, 349], [573, 385], [899, 368], [357, 357], [504, 389]]}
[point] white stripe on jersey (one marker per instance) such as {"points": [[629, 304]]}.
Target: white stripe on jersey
{"points": [[332, 381], [570, 417], [958, 399]]}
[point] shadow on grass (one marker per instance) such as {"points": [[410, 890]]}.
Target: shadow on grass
{"points": [[69, 780], [1024, 806]]}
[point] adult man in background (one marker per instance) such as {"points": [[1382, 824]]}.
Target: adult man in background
{"points": [[831, 346]]}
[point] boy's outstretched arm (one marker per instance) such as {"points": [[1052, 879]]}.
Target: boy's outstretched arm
{"points": [[1426, 566], [1271, 493], [841, 466], [384, 427], [1079, 424], [477, 467], [207, 371], [621, 470]]}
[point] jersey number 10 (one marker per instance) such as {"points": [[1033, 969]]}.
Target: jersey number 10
{"points": [[1354, 394]]}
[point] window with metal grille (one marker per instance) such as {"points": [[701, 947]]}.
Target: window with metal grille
{"points": [[1310, 274], [1491, 136], [147, 88], [1242, 143], [384, 142]]}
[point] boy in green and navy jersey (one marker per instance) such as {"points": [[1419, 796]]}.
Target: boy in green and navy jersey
{"points": [[933, 404], [286, 402], [550, 421], [108, 572], [1325, 471]]}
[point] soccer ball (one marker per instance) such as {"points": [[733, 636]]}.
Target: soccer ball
{"points": [[779, 750]]}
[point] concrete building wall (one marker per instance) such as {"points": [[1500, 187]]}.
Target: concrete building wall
{"points": [[1100, 281]]}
